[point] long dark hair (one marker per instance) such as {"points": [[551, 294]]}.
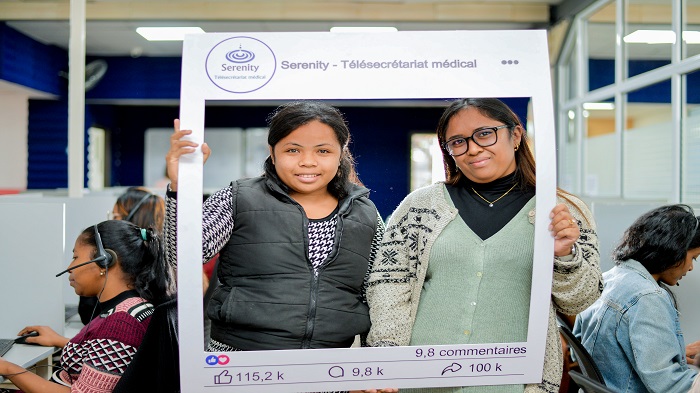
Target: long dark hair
{"points": [[695, 241], [288, 117], [140, 254], [660, 238], [499, 111]]}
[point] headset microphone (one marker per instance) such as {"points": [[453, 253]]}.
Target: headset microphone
{"points": [[96, 260], [105, 259], [136, 207]]}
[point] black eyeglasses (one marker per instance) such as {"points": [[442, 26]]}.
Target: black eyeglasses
{"points": [[483, 137], [113, 216]]}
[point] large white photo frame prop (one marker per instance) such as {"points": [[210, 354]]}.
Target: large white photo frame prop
{"points": [[404, 65]]}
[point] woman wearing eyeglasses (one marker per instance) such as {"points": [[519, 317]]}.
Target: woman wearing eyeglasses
{"points": [[455, 263], [140, 206], [633, 331]]}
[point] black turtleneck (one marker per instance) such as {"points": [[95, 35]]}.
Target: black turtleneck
{"points": [[114, 302], [89, 308], [485, 221]]}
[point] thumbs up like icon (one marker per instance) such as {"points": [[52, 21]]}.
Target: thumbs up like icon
{"points": [[223, 379]]}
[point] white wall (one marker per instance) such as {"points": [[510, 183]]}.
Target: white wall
{"points": [[13, 149], [236, 153], [14, 123], [601, 166]]}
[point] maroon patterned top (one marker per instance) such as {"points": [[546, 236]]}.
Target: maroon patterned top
{"points": [[95, 359]]}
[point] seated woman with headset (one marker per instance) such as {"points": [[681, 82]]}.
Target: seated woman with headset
{"points": [[137, 205], [122, 265]]}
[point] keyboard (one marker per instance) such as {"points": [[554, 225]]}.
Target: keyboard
{"points": [[5, 345]]}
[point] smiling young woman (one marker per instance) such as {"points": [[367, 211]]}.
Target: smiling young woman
{"points": [[306, 161], [467, 244], [306, 229]]}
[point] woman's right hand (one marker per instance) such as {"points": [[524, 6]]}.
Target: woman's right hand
{"points": [[178, 147], [692, 351], [47, 336]]}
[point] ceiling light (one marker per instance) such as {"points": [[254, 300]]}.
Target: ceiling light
{"points": [[661, 37], [691, 37], [598, 106], [651, 37], [167, 33], [366, 29]]}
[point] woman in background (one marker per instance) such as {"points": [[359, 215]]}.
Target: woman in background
{"points": [[123, 267], [140, 206], [633, 331]]}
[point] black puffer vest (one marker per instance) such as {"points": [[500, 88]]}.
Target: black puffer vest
{"points": [[270, 297]]}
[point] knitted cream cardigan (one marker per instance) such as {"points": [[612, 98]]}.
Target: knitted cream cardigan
{"points": [[398, 272]]}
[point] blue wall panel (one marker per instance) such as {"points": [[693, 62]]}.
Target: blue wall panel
{"points": [[602, 73], [29, 63], [47, 142], [140, 78]]}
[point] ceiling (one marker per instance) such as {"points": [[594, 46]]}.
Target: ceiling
{"points": [[111, 24]]}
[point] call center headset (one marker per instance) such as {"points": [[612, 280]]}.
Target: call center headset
{"points": [[137, 206], [105, 257]]}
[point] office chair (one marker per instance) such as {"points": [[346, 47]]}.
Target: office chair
{"points": [[588, 385], [584, 359], [156, 365]]}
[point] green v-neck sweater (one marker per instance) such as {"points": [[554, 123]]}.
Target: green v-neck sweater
{"points": [[495, 277], [409, 266], [493, 274]]}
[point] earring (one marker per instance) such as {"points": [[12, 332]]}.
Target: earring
{"points": [[516, 147], [102, 273]]}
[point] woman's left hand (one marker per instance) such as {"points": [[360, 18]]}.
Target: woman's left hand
{"points": [[564, 228]]}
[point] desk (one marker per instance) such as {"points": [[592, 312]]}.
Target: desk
{"points": [[27, 356]]}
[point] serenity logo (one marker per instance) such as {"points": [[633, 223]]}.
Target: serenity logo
{"points": [[240, 55], [241, 64]]}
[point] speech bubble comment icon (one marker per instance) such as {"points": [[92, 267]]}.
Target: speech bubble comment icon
{"points": [[336, 372]]}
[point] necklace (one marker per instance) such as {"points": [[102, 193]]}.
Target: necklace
{"points": [[497, 199]]}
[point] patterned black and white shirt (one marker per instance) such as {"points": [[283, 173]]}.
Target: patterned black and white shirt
{"points": [[321, 238]]}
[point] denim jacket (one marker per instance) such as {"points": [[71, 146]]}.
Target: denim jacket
{"points": [[634, 334]]}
